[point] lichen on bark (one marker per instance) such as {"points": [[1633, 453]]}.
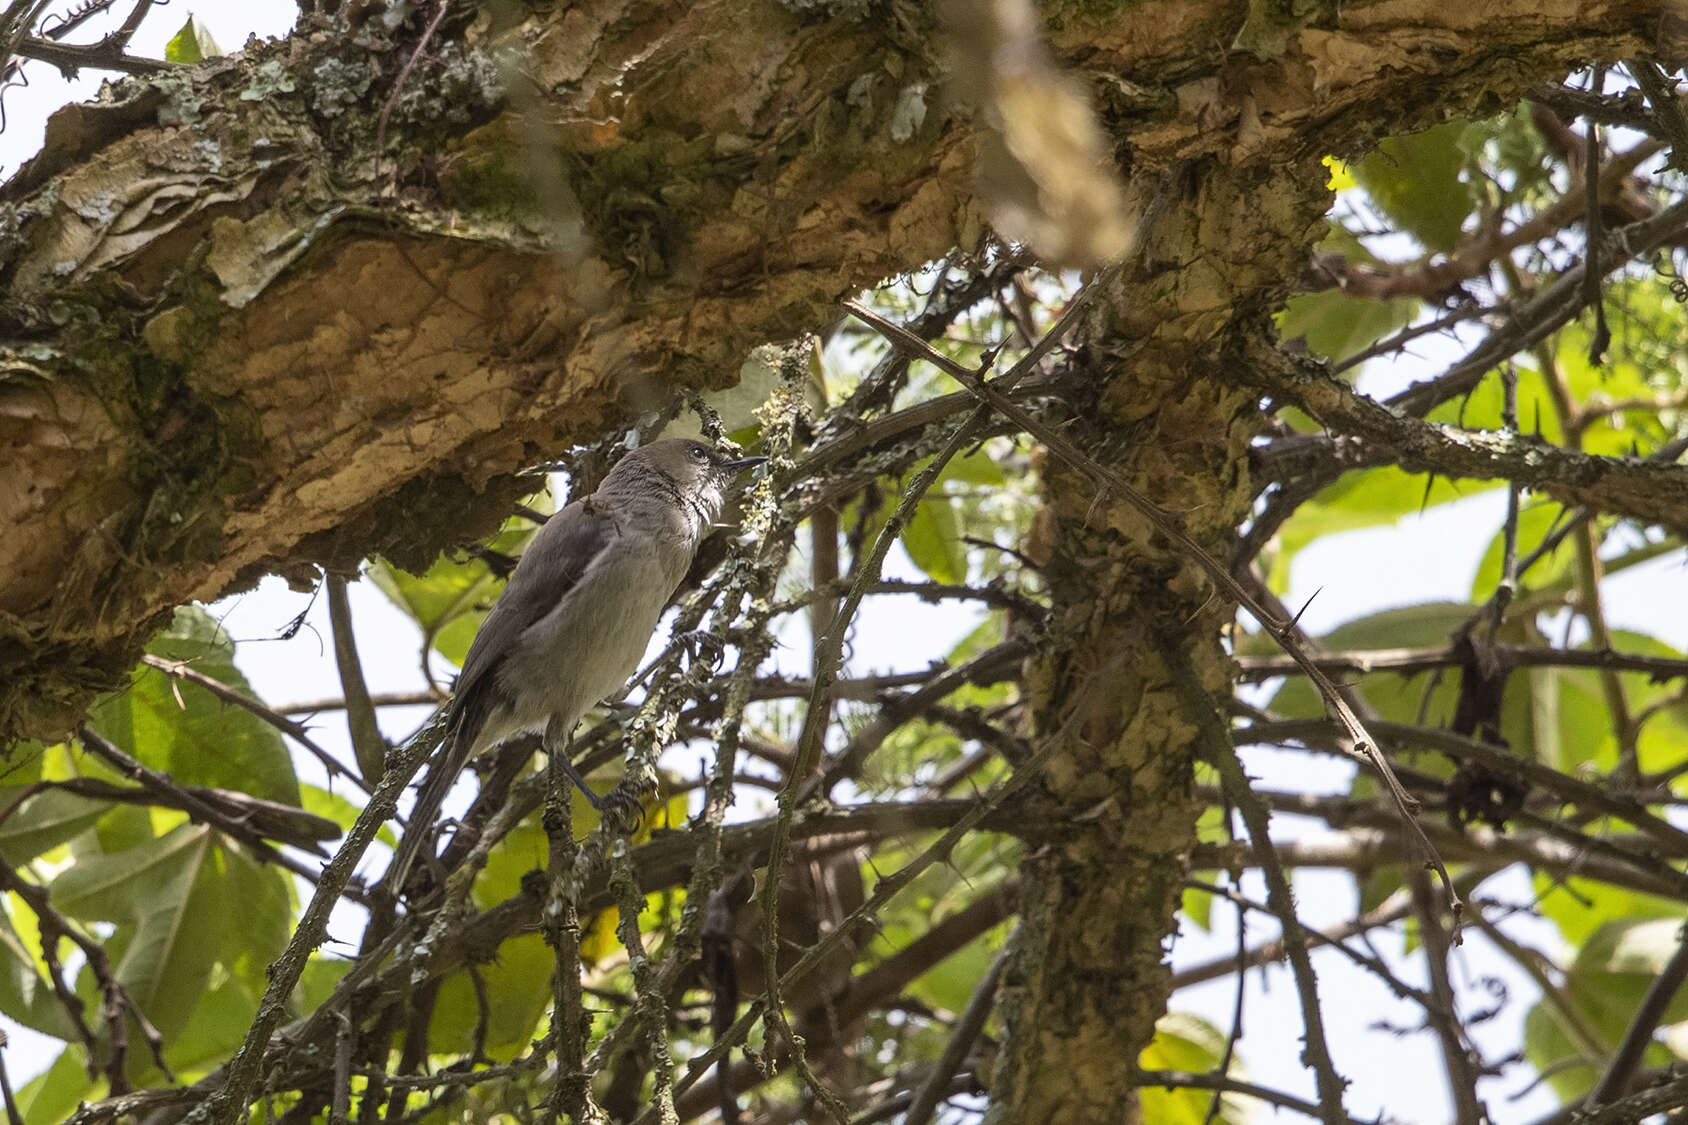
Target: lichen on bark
{"points": [[1088, 979], [200, 384]]}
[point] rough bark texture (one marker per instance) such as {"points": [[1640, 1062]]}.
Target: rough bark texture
{"points": [[232, 341], [1088, 980], [232, 347]]}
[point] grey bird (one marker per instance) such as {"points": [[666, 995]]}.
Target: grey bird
{"points": [[577, 614]]}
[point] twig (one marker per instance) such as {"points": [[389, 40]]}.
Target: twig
{"points": [[342, 1103], [649, 993], [1407, 335], [1228, 814], [202, 805], [966, 1031], [272, 820], [392, 98], [1632, 1110], [368, 747], [1365, 849], [1667, 111], [13, 1117], [1391, 910], [1412, 660], [1501, 761], [1594, 228], [1507, 587], [379, 699], [1169, 526], [183, 670], [571, 1093], [1639, 1037], [1222, 755], [1440, 1011], [1178, 1079], [227, 1105]]}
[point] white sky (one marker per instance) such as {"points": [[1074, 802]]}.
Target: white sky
{"points": [[1423, 558]]}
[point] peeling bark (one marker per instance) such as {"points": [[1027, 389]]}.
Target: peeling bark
{"points": [[575, 212], [232, 347], [1087, 981], [233, 341]]}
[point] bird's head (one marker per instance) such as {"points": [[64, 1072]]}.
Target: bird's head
{"points": [[699, 471]]}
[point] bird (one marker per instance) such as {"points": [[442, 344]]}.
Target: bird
{"points": [[577, 614]]}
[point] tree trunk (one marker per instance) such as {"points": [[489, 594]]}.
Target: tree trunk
{"points": [[238, 336], [571, 213], [1088, 981]]}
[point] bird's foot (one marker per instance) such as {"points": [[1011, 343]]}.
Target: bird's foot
{"points": [[622, 810], [703, 647]]}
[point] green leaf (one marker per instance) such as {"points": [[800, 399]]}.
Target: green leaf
{"points": [[932, 540], [162, 952], [950, 984], [518, 995], [185, 731], [250, 937], [1415, 180], [319, 980], [191, 44], [1602, 989], [1197, 905], [1336, 325], [25, 993], [975, 468], [1188, 1043], [219, 1024], [1550, 1048], [54, 1095], [914, 747], [44, 821]]}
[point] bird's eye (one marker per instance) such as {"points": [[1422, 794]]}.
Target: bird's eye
{"points": [[699, 453]]}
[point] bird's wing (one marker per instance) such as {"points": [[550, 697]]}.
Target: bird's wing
{"points": [[559, 554], [556, 558]]}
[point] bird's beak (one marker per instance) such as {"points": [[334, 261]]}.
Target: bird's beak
{"points": [[743, 463]]}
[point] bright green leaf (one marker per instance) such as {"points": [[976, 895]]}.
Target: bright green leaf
{"points": [[518, 993], [193, 43], [1416, 181], [1184, 1042], [185, 731], [162, 949], [932, 540]]}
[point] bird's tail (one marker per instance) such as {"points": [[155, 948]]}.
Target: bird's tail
{"points": [[419, 827]]}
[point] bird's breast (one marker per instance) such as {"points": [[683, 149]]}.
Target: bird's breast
{"points": [[593, 640]]}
